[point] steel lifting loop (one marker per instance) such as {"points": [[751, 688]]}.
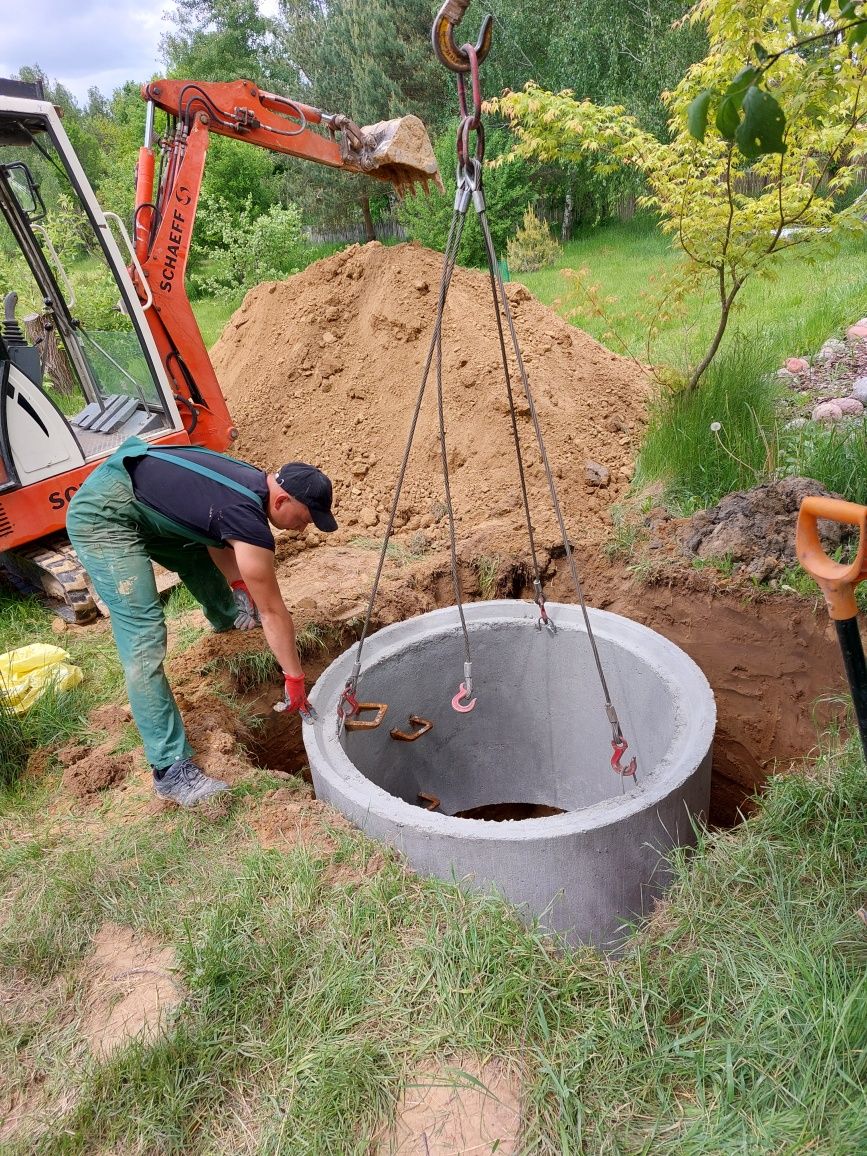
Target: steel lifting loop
{"points": [[357, 724], [544, 619], [464, 131], [443, 36], [476, 117], [415, 720], [620, 748]]}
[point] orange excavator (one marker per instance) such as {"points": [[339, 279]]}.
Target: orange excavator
{"points": [[145, 371]]}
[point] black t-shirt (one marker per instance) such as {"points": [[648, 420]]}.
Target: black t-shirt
{"points": [[206, 506]]}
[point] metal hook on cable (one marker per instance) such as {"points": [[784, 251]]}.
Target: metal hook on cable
{"points": [[443, 36], [465, 692]]}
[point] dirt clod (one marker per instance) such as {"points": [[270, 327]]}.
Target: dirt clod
{"points": [[757, 527], [95, 771]]}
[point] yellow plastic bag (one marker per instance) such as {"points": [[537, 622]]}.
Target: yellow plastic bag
{"points": [[26, 674]]}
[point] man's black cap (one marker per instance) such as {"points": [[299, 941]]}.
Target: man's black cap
{"points": [[312, 487]]}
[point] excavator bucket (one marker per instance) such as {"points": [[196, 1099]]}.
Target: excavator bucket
{"points": [[398, 151]]}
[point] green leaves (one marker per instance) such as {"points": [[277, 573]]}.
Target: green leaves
{"points": [[728, 114], [761, 129], [697, 113]]}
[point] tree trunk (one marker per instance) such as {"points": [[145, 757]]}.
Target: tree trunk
{"points": [[42, 334], [369, 230], [566, 229]]}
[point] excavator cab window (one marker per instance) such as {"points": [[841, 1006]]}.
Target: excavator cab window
{"points": [[25, 191], [70, 324]]}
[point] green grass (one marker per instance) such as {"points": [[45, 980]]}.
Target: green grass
{"points": [[212, 313], [626, 266], [700, 465], [734, 1023], [55, 717]]}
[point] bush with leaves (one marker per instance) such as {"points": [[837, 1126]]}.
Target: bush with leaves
{"points": [[252, 248], [508, 191], [532, 247]]}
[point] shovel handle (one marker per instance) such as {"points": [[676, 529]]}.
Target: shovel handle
{"points": [[837, 580]]}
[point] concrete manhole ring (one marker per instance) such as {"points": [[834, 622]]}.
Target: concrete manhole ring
{"points": [[538, 737]]}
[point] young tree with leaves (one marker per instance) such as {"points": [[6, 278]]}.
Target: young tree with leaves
{"points": [[702, 189]]}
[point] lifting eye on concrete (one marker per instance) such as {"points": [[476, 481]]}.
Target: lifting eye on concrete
{"points": [[357, 724], [415, 720]]}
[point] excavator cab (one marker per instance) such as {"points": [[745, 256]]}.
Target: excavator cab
{"points": [[78, 369]]}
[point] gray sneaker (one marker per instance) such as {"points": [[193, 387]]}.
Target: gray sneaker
{"points": [[187, 784]]}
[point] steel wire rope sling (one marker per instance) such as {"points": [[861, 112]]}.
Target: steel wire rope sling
{"points": [[465, 60]]}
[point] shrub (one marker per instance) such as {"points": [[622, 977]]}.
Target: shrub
{"points": [[532, 247], [252, 248]]}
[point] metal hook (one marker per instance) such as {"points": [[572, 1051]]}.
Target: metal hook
{"points": [[463, 708], [620, 749], [443, 36]]}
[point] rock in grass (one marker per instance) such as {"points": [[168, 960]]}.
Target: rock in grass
{"points": [[850, 406], [827, 411], [857, 331], [831, 351], [859, 389], [797, 365]]}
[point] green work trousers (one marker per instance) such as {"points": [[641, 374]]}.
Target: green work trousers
{"points": [[116, 538]]}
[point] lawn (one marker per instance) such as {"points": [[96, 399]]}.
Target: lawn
{"points": [[609, 280]]}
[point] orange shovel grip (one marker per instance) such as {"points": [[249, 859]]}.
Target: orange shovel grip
{"points": [[837, 580]]}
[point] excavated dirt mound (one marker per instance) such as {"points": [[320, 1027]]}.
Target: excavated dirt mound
{"points": [[325, 367], [755, 528]]}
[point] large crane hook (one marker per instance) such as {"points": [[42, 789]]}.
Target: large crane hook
{"points": [[443, 36]]}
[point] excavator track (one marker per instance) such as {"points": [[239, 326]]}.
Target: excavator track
{"points": [[53, 570]]}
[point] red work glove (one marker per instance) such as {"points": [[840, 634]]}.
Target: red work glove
{"points": [[296, 695], [247, 616]]}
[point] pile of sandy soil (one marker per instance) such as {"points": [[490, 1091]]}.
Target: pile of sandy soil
{"points": [[325, 367]]}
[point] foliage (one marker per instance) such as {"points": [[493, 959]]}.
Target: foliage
{"points": [[836, 456], [704, 190], [532, 247], [698, 465], [224, 40], [814, 25], [508, 191], [250, 248]]}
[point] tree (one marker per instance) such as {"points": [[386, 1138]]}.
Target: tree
{"points": [[761, 127], [702, 188], [225, 40], [371, 60]]}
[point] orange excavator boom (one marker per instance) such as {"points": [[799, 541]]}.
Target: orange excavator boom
{"points": [[397, 151]]}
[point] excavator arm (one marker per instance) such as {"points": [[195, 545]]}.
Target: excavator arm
{"points": [[398, 152]]}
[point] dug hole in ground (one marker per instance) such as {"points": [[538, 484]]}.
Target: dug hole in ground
{"points": [[325, 368]]}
